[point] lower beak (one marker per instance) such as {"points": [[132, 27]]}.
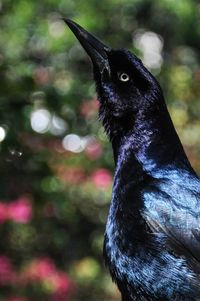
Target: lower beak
{"points": [[96, 50]]}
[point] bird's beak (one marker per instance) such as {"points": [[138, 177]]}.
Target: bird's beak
{"points": [[96, 50]]}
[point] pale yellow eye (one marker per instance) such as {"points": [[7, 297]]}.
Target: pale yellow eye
{"points": [[124, 77]]}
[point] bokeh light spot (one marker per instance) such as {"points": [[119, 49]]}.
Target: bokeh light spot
{"points": [[58, 125], [2, 133], [151, 45], [56, 29], [40, 120], [73, 143]]}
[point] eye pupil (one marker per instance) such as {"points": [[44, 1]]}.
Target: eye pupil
{"points": [[124, 77]]}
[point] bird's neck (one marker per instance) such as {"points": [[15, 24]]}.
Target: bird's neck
{"points": [[152, 147]]}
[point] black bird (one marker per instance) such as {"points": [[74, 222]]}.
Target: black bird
{"points": [[152, 237]]}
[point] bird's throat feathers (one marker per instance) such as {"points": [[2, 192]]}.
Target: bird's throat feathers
{"points": [[144, 144]]}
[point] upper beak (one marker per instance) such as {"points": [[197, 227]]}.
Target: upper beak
{"points": [[94, 48]]}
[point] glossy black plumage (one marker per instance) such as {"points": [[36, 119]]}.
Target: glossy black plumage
{"points": [[152, 237]]}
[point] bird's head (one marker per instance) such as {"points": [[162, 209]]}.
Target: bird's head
{"points": [[126, 89]]}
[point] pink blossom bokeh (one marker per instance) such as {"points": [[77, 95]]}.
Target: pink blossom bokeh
{"points": [[101, 178], [16, 299], [19, 211], [38, 271], [43, 270], [94, 150], [89, 108], [3, 212], [7, 274]]}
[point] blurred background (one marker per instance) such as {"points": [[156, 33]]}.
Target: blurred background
{"points": [[56, 164]]}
